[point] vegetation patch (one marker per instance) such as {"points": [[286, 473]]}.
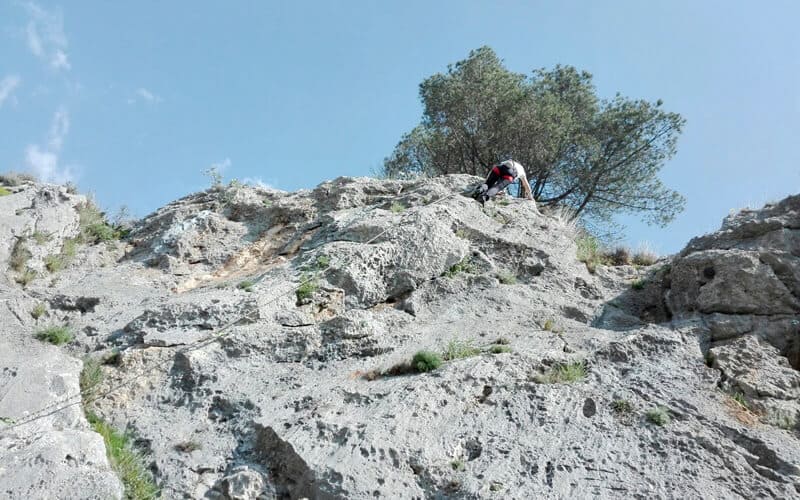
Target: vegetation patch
{"points": [[465, 265], [783, 420], [458, 349], [20, 255], [16, 178], [622, 406], [91, 377], [549, 325], [27, 277], [499, 349], [56, 335], [39, 310], [458, 465], [507, 277], [639, 284], [658, 416], [94, 228], [563, 373], [397, 207], [4, 191], [644, 258], [128, 463], [40, 238], [422, 362], [246, 285], [308, 287]]}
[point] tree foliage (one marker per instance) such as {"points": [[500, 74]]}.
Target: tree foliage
{"points": [[600, 157]]}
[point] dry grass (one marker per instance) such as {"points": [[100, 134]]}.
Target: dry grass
{"points": [[741, 412]]}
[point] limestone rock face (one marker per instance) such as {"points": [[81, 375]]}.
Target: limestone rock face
{"points": [[257, 345]]}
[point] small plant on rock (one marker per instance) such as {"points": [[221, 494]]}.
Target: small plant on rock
{"points": [[644, 257], [426, 361], [620, 256], [56, 335], [4, 191], [457, 465], [397, 207], [549, 325], [783, 420], [91, 377], [563, 373], [507, 277], [638, 284], [458, 349], [27, 277], [499, 349], [463, 266], [38, 311], [622, 406], [55, 263], [739, 398], [658, 416], [20, 255], [308, 287], [246, 285]]}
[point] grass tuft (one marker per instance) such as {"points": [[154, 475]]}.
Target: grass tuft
{"points": [[246, 285], [40, 238], [639, 284], [27, 277], [463, 266], [499, 349], [39, 310], [658, 416], [91, 377], [507, 277], [549, 325], [622, 406], [457, 465], [20, 255], [397, 207], [56, 335], [563, 374], [307, 289], [458, 349], [426, 361], [4, 191], [125, 460]]}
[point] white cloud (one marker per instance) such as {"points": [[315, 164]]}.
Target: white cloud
{"points": [[43, 161], [7, 86], [142, 94], [46, 38], [147, 95]]}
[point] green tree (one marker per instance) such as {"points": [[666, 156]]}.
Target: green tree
{"points": [[598, 157]]}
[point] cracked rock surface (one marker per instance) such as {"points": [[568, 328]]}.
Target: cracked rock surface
{"points": [[244, 386]]}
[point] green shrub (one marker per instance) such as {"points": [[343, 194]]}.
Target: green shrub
{"points": [[27, 277], [4, 191], [38, 311], [548, 325], [563, 373], [322, 263], [55, 263], [588, 248], [507, 277], [397, 207], [307, 288], [463, 266], [658, 416], [40, 237], [782, 419], [125, 460], [69, 248], [458, 349], [499, 349], [639, 284], [502, 341], [93, 225], [56, 335], [15, 178], [20, 255], [426, 361], [739, 399], [246, 285], [461, 233], [457, 465], [622, 406], [91, 376]]}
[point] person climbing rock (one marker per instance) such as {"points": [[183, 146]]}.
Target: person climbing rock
{"points": [[500, 177]]}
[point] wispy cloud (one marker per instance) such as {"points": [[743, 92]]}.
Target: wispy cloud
{"points": [[142, 94], [7, 87], [257, 182], [43, 161], [45, 36]]}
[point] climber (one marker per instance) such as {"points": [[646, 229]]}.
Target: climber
{"points": [[500, 177]]}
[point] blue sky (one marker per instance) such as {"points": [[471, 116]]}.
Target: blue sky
{"points": [[132, 101]]}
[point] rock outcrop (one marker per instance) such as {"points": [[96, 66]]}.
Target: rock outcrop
{"points": [[257, 346]]}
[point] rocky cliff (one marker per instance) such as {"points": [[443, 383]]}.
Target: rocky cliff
{"points": [[259, 344]]}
